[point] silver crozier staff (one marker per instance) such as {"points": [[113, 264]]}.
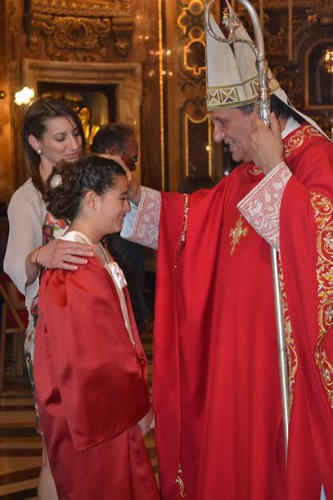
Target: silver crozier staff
{"points": [[264, 107]]}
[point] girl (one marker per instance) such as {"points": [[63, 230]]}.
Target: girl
{"points": [[92, 392]]}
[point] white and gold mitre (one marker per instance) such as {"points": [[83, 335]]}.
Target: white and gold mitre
{"points": [[231, 74]]}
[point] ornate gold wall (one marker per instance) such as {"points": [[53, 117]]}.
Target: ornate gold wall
{"points": [[151, 52], [110, 43]]}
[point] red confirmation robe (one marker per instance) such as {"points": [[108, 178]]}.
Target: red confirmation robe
{"points": [[216, 377], [91, 388]]}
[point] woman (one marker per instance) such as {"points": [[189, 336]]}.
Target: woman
{"points": [[92, 394], [52, 131]]}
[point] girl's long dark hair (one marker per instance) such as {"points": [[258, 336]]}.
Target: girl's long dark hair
{"points": [[69, 182]]}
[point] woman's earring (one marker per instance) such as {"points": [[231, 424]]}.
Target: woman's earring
{"points": [[39, 151]]}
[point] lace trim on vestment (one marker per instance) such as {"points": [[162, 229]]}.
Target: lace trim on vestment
{"points": [[141, 224], [261, 206]]}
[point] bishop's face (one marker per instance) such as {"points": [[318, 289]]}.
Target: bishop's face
{"points": [[233, 127]]}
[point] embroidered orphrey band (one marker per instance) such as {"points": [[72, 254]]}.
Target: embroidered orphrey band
{"points": [[185, 221], [288, 335], [323, 209], [297, 139]]}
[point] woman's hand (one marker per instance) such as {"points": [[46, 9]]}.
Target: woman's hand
{"points": [[61, 254], [58, 254], [147, 422]]}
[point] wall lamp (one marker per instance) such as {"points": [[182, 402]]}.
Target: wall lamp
{"points": [[24, 96]]}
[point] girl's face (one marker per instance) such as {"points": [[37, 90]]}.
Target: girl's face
{"points": [[60, 141], [112, 206]]}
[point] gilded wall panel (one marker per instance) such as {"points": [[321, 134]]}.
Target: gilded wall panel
{"points": [[194, 135], [166, 38]]}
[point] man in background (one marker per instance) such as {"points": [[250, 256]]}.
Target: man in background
{"points": [[119, 139]]}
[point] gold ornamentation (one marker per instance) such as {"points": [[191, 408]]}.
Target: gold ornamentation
{"points": [[323, 209], [182, 238], [237, 233], [191, 73], [190, 124], [192, 41], [194, 50], [298, 138], [288, 335], [180, 482], [195, 64], [255, 171], [122, 30], [82, 9], [219, 96], [75, 31], [70, 38]]}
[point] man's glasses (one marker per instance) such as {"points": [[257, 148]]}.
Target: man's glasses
{"points": [[130, 161]]}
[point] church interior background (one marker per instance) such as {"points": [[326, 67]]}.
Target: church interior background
{"points": [[141, 62]]}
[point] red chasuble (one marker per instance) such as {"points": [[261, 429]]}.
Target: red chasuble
{"points": [[216, 370], [91, 388]]}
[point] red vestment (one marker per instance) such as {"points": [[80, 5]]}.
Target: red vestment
{"points": [[216, 372], [91, 388]]}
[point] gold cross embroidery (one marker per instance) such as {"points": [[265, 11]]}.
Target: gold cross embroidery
{"points": [[237, 232]]}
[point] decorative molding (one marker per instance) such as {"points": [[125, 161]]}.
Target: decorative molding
{"points": [[122, 31], [96, 8], [195, 125], [192, 39], [192, 127], [195, 108], [191, 43], [68, 38], [79, 31]]}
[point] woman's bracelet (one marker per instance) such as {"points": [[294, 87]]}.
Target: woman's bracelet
{"points": [[35, 258]]}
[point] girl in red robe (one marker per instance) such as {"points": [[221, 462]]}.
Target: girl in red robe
{"points": [[90, 367]]}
